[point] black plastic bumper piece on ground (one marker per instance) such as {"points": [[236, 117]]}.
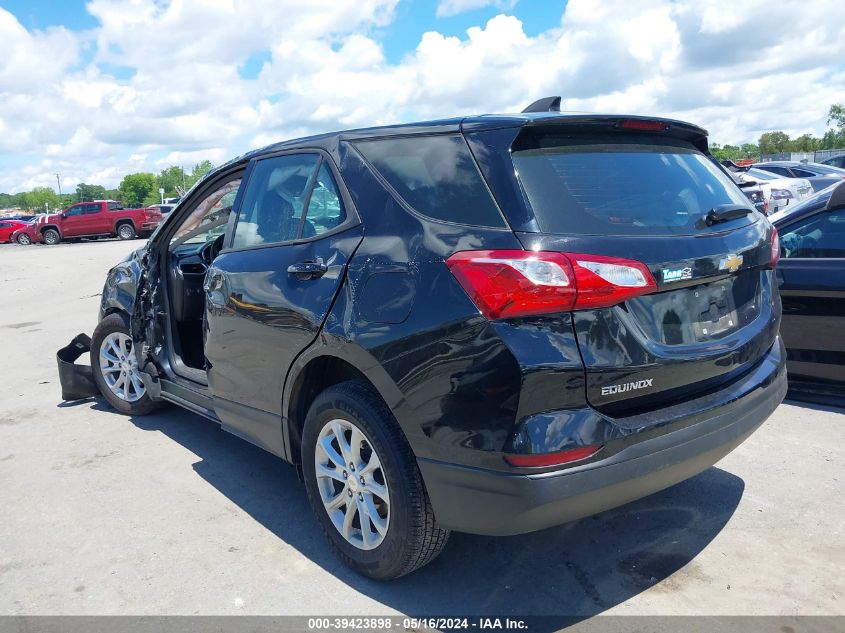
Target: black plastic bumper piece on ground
{"points": [[493, 503], [77, 381]]}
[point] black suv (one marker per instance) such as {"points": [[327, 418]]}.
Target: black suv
{"points": [[490, 324]]}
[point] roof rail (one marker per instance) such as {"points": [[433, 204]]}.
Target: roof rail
{"points": [[546, 104]]}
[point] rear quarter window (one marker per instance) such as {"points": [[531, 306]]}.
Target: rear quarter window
{"points": [[622, 185], [436, 176]]}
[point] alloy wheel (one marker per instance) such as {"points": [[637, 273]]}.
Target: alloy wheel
{"points": [[126, 232], [352, 484], [24, 240], [120, 368]]}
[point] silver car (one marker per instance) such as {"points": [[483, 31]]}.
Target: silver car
{"points": [[779, 191]]}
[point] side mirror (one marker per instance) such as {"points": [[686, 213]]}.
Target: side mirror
{"points": [[64, 215], [837, 198]]}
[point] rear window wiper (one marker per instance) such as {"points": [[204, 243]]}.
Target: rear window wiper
{"points": [[725, 212]]}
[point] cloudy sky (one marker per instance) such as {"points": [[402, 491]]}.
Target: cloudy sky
{"points": [[93, 90]]}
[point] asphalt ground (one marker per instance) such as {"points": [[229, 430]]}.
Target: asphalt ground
{"points": [[168, 514]]}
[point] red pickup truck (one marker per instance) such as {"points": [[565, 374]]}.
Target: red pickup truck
{"points": [[90, 219]]}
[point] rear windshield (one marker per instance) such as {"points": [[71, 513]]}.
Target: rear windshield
{"points": [[622, 185], [436, 176]]}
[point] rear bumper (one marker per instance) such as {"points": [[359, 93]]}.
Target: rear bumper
{"points": [[77, 381], [481, 501]]}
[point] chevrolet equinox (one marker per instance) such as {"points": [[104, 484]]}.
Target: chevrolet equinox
{"points": [[491, 324]]}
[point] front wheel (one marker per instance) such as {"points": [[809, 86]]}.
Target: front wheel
{"points": [[126, 232], [364, 485], [51, 237], [24, 239], [116, 369]]}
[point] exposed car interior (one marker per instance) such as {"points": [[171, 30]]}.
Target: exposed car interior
{"points": [[272, 213], [192, 248]]}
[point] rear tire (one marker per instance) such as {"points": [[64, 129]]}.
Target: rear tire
{"points": [[51, 237], [24, 240], [115, 370], [385, 492], [126, 231]]}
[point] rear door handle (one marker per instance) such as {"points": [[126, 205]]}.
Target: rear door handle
{"points": [[308, 269]]}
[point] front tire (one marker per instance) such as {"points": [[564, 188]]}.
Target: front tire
{"points": [[364, 485], [24, 239], [51, 237], [126, 232], [116, 369]]}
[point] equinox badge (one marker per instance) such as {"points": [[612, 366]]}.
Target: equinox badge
{"points": [[628, 386]]}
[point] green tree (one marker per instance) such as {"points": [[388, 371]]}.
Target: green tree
{"points": [[171, 178], [750, 150], [90, 192], [834, 138], [136, 189], [198, 172], [39, 199], [773, 142], [836, 115], [804, 143]]}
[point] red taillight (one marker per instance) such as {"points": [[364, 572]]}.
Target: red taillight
{"points": [[551, 459], [506, 284], [639, 124], [774, 252]]}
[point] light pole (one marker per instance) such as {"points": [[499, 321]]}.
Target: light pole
{"points": [[59, 182]]}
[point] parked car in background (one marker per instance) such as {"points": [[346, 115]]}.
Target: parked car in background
{"points": [[163, 208], [98, 218], [835, 161], [811, 278], [8, 227], [750, 187], [491, 324], [820, 176], [779, 191], [755, 193]]}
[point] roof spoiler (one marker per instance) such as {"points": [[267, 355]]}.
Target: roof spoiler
{"points": [[546, 104]]}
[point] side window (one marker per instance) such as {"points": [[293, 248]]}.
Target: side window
{"points": [[91, 209], [208, 219], [780, 171], [821, 235], [436, 176], [274, 200], [803, 173], [115, 206], [325, 206], [74, 211]]}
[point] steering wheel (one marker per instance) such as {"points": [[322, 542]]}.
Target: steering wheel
{"points": [[209, 250]]}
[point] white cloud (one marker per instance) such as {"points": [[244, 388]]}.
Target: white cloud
{"points": [[447, 8], [65, 105]]}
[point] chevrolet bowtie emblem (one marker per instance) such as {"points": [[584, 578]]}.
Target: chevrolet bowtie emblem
{"points": [[731, 263]]}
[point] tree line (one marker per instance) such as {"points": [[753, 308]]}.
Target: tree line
{"points": [[135, 190], [779, 142]]}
